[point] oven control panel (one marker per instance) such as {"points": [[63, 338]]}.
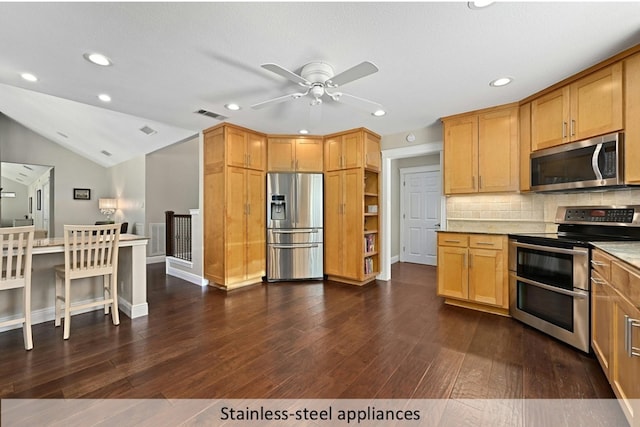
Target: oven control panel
{"points": [[619, 215]]}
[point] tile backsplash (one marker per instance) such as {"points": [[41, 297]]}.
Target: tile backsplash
{"points": [[522, 213]]}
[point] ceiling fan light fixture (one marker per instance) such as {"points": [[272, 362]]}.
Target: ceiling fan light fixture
{"points": [[379, 113], [232, 106], [98, 59]]}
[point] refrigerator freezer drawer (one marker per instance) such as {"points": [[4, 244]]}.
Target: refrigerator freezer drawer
{"points": [[294, 261], [294, 236]]}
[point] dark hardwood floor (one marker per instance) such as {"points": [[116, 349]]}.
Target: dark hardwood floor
{"points": [[297, 340]]}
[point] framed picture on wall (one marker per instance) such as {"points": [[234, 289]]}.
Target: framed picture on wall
{"points": [[39, 200], [82, 194]]}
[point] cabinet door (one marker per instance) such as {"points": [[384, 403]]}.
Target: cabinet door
{"points": [[333, 153], [308, 155], [353, 224], [236, 225], [550, 119], [631, 123], [596, 103], [236, 144], [498, 151], [487, 282], [453, 280], [256, 151], [281, 154], [626, 367], [256, 244], [524, 125], [352, 150], [602, 297], [460, 155], [333, 223], [371, 152]]}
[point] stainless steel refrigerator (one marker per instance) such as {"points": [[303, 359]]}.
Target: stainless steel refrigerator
{"points": [[294, 226]]}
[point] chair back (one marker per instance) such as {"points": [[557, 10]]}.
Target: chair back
{"points": [[91, 250], [16, 245]]}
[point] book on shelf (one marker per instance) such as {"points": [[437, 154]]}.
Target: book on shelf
{"points": [[370, 243], [368, 265]]}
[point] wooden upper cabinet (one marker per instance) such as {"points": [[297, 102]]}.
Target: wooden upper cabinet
{"points": [[481, 152], [524, 127], [632, 122], [461, 155], [294, 154], [590, 106], [372, 158], [343, 151], [498, 151], [245, 149]]}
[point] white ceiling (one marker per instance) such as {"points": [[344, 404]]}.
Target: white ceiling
{"points": [[172, 59]]}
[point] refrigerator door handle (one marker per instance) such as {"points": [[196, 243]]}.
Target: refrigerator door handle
{"points": [[299, 230], [293, 246]]}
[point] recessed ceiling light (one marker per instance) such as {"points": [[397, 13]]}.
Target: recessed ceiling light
{"points": [[98, 59], [232, 107], [479, 4], [104, 97], [379, 113], [502, 81], [303, 131], [29, 77]]}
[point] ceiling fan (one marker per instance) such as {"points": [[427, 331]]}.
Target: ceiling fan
{"points": [[318, 79]]}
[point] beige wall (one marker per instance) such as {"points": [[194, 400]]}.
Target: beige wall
{"points": [[127, 185], [13, 208], [428, 134]]}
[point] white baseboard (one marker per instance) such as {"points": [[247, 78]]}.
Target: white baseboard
{"points": [[185, 275], [155, 259], [133, 311], [395, 259]]}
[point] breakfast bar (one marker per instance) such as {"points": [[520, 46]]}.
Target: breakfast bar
{"points": [[47, 253]]}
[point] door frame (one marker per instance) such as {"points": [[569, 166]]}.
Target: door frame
{"points": [[403, 173], [387, 156]]}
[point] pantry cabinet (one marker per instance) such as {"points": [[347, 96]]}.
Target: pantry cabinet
{"points": [[481, 151], [245, 148], [472, 271], [287, 154], [590, 106], [234, 208], [615, 330]]}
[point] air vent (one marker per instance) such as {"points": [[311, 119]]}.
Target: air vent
{"points": [[27, 167], [62, 135], [212, 114], [23, 174], [147, 130], [106, 153]]}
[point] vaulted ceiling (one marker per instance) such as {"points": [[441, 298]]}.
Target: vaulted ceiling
{"points": [[173, 59]]}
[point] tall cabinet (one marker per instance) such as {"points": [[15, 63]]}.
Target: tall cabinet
{"points": [[234, 214], [352, 236]]}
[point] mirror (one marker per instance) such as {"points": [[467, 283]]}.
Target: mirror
{"points": [[27, 196]]}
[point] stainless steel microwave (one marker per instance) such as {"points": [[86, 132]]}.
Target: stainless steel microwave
{"points": [[591, 163]]}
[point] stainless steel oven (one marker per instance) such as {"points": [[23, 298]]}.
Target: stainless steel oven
{"points": [[549, 273], [549, 289]]}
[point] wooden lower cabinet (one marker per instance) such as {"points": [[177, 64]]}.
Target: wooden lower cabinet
{"points": [[615, 328], [472, 271]]}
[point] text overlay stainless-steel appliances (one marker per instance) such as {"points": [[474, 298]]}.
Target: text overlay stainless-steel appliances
{"points": [[592, 163], [549, 275], [294, 226]]}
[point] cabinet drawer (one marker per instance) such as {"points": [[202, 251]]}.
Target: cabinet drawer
{"points": [[601, 262], [626, 282], [486, 241], [453, 239]]}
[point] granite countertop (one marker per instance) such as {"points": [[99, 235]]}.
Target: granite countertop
{"points": [[626, 251]]}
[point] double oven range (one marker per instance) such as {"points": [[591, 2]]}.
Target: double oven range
{"points": [[549, 274]]}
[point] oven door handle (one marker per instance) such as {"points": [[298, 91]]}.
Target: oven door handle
{"points": [[574, 294], [582, 251]]}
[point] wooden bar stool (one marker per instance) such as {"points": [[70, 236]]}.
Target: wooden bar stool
{"points": [[89, 251], [16, 245]]}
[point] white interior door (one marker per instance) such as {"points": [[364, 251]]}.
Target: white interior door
{"points": [[420, 216]]}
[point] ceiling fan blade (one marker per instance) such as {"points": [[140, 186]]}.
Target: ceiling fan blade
{"points": [[356, 101], [277, 100], [357, 72], [289, 75]]}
